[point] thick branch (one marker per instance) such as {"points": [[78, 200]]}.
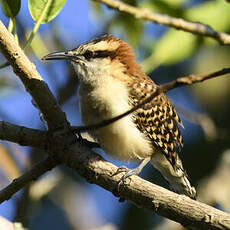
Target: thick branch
{"points": [[19, 183], [22, 135], [177, 23], [32, 81], [145, 194]]}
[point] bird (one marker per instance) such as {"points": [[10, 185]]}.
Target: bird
{"points": [[112, 82]]}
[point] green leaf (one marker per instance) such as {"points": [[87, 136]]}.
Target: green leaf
{"points": [[175, 46], [45, 9], [131, 27], [10, 7], [213, 13]]}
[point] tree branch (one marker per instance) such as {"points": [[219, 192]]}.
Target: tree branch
{"points": [[145, 194], [32, 81], [17, 184], [22, 135], [177, 23]]}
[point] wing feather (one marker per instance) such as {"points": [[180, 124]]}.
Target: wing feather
{"points": [[157, 119]]}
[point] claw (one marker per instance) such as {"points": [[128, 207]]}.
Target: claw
{"points": [[121, 169], [128, 173]]}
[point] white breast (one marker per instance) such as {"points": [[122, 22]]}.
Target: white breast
{"points": [[121, 139]]}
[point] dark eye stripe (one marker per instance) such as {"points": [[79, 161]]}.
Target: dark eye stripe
{"points": [[102, 54], [97, 54]]}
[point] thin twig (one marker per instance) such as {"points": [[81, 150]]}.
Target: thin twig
{"points": [[17, 184], [177, 23], [182, 81]]}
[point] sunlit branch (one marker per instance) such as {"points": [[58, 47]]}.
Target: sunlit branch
{"points": [[147, 195], [32, 81], [177, 23]]}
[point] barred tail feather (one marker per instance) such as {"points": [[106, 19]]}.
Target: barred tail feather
{"points": [[176, 176]]}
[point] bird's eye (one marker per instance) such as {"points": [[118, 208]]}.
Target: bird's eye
{"points": [[88, 54]]}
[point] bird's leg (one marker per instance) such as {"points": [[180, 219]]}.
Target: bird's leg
{"points": [[130, 172]]}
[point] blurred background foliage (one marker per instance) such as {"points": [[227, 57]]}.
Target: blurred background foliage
{"points": [[63, 200]]}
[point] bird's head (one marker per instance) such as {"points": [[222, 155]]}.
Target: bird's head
{"points": [[105, 55]]}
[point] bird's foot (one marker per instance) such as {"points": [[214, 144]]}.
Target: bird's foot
{"points": [[128, 173]]}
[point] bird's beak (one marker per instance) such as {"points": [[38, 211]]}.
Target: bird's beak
{"points": [[68, 55]]}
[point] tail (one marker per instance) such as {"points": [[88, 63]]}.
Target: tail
{"points": [[176, 176]]}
